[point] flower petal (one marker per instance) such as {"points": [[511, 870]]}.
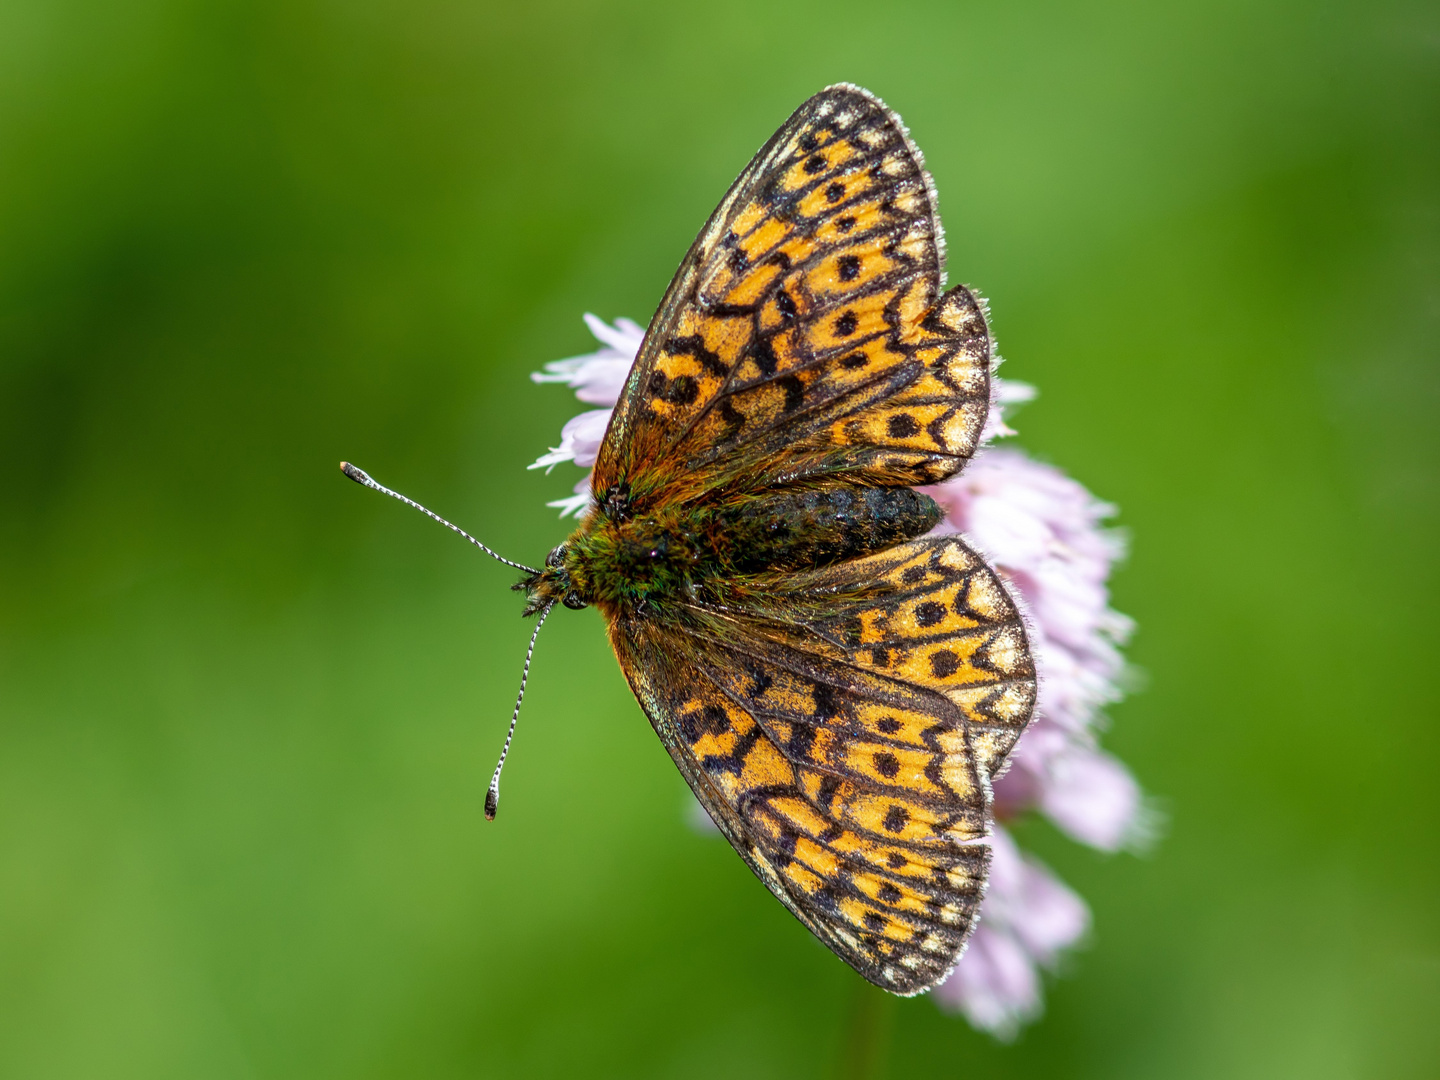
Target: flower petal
{"points": [[1046, 534], [598, 377], [580, 440], [1092, 797], [624, 337]]}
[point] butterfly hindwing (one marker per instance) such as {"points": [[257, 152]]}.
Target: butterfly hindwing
{"points": [[889, 881], [858, 792], [805, 332]]}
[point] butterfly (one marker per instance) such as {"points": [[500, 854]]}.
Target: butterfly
{"points": [[837, 687]]}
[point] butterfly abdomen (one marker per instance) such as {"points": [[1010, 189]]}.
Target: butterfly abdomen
{"points": [[808, 528]]}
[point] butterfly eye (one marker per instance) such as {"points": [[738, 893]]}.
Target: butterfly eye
{"points": [[573, 602], [556, 557]]}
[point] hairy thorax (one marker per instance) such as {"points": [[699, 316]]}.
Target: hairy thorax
{"points": [[632, 560]]}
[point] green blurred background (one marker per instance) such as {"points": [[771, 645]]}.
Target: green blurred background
{"points": [[247, 711]]}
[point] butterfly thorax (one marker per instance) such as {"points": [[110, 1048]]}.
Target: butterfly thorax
{"points": [[637, 559]]}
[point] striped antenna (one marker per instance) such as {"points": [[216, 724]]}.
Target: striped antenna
{"points": [[360, 476], [492, 796]]}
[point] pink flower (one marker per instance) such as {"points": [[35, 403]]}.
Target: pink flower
{"points": [[1045, 533], [1028, 919]]}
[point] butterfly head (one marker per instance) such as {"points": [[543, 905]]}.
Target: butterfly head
{"points": [[552, 584]]}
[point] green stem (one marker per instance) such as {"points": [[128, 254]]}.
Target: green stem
{"points": [[865, 1037]]}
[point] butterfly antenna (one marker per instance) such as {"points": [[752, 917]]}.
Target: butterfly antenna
{"points": [[360, 476], [492, 796]]}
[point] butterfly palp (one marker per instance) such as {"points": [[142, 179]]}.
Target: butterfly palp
{"points": [[550, 586]]}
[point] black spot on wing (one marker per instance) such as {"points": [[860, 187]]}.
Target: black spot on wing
{"points": [[902, 426], [929, 613], [896, 818], [794, 392], [708, 720], [944, 663], [681, 390], [763, 353]]}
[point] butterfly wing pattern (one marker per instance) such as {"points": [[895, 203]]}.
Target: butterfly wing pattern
{"points": [[805, 333], [840, 721]]}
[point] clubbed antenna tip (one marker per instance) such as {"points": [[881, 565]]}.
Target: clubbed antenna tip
{"points": [[492, 796], [360, 476]]}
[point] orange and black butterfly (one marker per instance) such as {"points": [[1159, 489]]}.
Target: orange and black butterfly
{"points": [[837, 687]]}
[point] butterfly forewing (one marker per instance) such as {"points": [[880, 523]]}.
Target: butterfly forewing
{"points": [[812, 295]]}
